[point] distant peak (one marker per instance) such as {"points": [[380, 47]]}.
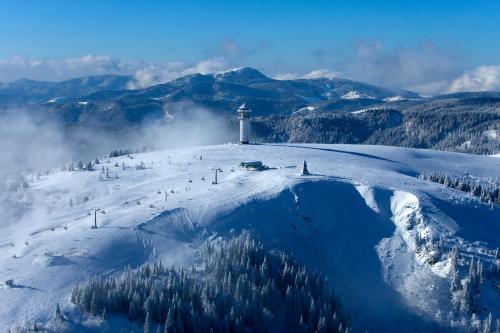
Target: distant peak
{"points": [[242, 75]]}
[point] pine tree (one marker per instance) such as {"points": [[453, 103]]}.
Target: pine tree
{"points": [[89, 166], [475, 323], [321, 325], [148, 322], [58, 312], [169, 323], [179, 324], [496, 264], [454, 274], [479, 271], [488, 324], [104, 315], [93, 304], [466, 297]]}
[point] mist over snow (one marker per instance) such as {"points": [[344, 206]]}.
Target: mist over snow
{"points": [[31, 146], [483, 78], [31, 143]]}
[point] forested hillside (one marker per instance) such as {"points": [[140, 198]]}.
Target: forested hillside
{"points": [[470, 126], [304, 110]]}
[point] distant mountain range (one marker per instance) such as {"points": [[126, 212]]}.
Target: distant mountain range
{"points": [[223, 92], [279, 106], [31, 92]]}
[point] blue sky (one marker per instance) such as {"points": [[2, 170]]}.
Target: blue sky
{"points": [[279, 37]]}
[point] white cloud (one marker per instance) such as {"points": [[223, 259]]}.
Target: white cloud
{"points": [[163, 72], [424, 66], [209, 66], [287, 76], [321, 73], [483, 78], [57, 69], [432, 87], [143, 73], [315, 74], [153, 74]]}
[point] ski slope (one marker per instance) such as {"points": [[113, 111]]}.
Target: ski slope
{"points": [[357, 219]]}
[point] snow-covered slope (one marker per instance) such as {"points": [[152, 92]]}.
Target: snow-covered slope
{"points": [[355, 95], [362, 218]]}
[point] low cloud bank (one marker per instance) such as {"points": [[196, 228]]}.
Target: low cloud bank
{"points": [[161, 73], [32, 144], [35, 143], [483, 78], [427, 68], [144, 74]]}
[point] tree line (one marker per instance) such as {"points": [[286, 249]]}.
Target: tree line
{"points": [[462, 126], [238, 286], [466, 293], [488, 193]]}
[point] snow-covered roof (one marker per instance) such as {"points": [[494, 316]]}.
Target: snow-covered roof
{"points": [[243, 108]]}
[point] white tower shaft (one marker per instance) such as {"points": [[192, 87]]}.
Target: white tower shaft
{"points": [[244, 117], [244, 130]]}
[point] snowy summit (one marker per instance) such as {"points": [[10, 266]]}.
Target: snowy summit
{"points": [[382, 234]]}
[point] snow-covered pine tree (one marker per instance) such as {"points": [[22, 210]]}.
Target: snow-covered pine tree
{"points": [[148, 323], [488, 324], [454, 273], [259, 285], [479, 272], [58, 312]]}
